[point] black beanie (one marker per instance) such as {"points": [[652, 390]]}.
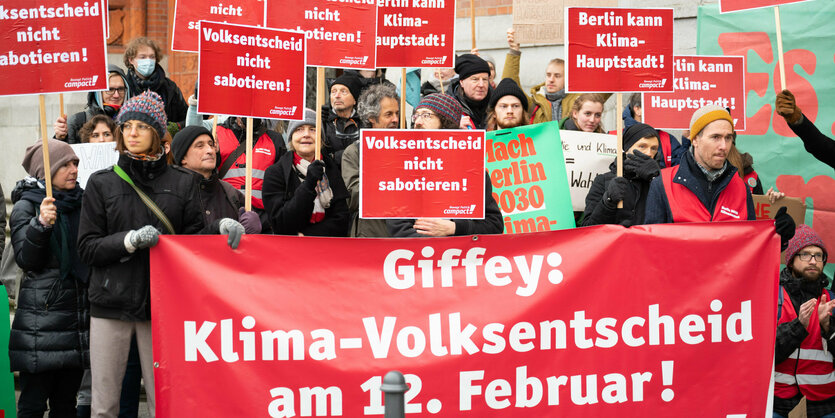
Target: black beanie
{"points": [[635, 133], [508, 87], [183, 140], [351, 81], [469, 64]]}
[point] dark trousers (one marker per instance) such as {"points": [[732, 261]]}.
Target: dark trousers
{"points": [[131, 384], [58, 387]]}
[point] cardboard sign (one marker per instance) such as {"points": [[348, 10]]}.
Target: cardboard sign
{"points": [[528, 178], [726, 6], [416, 33], [339, 34], [764, 209], [94, 157], [699, 81], [564, 323], [422, 174], [52, 46], [587, 155], [542, 21], [618, 50], [189, 13], [250, 71]]}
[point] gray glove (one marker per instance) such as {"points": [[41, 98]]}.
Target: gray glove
{"points": [[145, 237], [233, 229]]}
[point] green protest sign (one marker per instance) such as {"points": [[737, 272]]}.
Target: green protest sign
{"points": [[527, 172], [779, 156], [7, 395]]}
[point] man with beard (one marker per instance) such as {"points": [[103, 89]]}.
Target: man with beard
{"points": [[340, 121], [804, 350], [508, 106], [378, 108], [473, 89]]}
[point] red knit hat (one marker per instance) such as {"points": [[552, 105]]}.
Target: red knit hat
{"points": [[804, 236], [444, 105]]}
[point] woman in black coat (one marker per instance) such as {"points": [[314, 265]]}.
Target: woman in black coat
{"points": [[49, 342], [304, 196], [640, 142]]}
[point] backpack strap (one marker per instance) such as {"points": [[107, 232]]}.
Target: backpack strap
{"points": [[221, 173], [779, 302], [146, 200]]}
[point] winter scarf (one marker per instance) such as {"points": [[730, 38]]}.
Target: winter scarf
{"points": [[324, 194]]}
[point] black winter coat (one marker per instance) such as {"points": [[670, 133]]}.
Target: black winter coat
{"points": [[119, 280], [52, 321], [634, 202], [338, 133], [93, 108], [289, 202]]}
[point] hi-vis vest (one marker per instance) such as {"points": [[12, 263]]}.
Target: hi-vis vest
{"points": [[263, 156], [809, 368], [686, 207]]}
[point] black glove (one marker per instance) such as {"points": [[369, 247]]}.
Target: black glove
{"points": [[784, 225], [641, 166], [615, 192], [315, 172]]}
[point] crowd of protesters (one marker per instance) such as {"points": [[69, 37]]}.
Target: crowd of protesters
{"points": [[81, 338]]}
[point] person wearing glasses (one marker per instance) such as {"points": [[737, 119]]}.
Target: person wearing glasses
{"points": [[105, 102], [804, 348], [508, 107]]}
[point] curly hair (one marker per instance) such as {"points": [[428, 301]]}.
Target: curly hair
{"points": [[133, 47], [87, 129], [368, 105]]}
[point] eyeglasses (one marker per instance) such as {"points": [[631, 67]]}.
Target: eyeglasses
{"points": [[425, 116], [112, 91], [128, 127], [819, 257]]}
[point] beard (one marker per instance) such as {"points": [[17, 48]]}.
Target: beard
{"points": [[504, 123], [808, 274]]}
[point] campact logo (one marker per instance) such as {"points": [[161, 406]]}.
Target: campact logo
{"points": [[460, 210], [434, 60], [354, 60], [82, 82], [649, 84], [284, 111]]}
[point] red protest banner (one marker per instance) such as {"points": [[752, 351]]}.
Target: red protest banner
{"points": [[726, 6], [251, 71], [699, 81], [339, 34], [422, 174], [501, 326], [52, 46], [416, 34], [189, 13], [618, 50]]}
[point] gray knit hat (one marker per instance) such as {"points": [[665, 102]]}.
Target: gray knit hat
{"points": [[60, 153], [309, 119]]}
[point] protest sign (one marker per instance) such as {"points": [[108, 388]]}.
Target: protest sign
{"points": [[587, 154], [251, 72], [416, 33], [618, 50], [189, 13], [422, 174], [339, 34], [699, 81], [8, 408], [94, 157], [767, 210], [558, 323], [528, 178], [541, 21], [726, 6], [52, 46]]}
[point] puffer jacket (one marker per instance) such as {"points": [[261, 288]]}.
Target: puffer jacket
{"points": [[119, 280], [52, 321]]}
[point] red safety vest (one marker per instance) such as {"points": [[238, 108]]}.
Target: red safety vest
{"points": [[263, 156], [686, 207], [809, 368]]}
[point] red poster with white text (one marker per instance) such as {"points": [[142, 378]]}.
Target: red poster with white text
{"points": [[251, 71], [422, 173], [570, 323], [699, 81], [189, 13], [726, 6], [618, 50], [416, 33], [52, 46], [340, 34]]}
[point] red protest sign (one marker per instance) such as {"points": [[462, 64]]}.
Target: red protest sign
{"points": [[618, 50], [416, 34], [699, 81], [339, 34], [251, 71], [422, 174], [189, 13], [501, 326], [52, 46], [726, 6]]}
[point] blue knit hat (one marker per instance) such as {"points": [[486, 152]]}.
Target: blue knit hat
{"points": [[146, 107]]}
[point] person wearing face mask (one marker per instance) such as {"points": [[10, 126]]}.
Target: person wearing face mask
{"points": [[105, 102], [142, 57]]}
